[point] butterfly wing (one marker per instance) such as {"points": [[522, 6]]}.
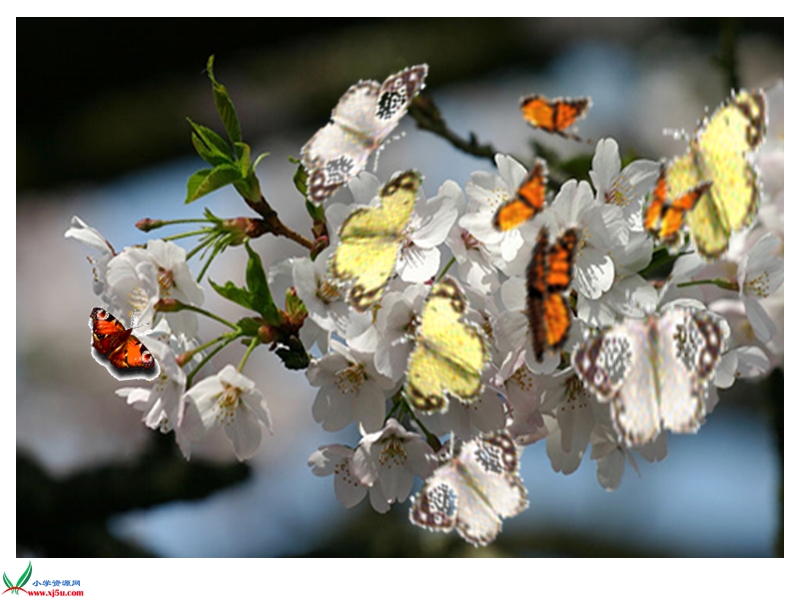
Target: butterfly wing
{"points": [[475, 491], [108, 333], [372, 110], [528, 201], [332, 157], [490, 487], [397, 92], [690, 345], [554, 116], [361, 121], [617, 365], [356, 112], [111, 339], [132, 355], [449, 356], [722, 153], [371, 238], [434, 507], [548, 277], [664, 218]]}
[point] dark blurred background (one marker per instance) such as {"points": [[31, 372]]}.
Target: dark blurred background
{"points": [[101, 132]]}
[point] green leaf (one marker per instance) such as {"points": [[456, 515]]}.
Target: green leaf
{"points": [[300, 180], [248, 326], [230, 291], [194, 183], [206, 181], [25, 576], [224, 105], [316, 211], [244, 158], [214, 143], [249, 188], [293, 354], [258, 288], [211, 157], [294, 305]]}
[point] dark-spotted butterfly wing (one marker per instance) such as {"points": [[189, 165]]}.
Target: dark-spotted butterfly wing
{"points": [[655, 371], [450, 354], [118, 345], [362, 120], [665, 217], [371, 239], [527, 202], [548, 278], [722, 152], [474, 491]]}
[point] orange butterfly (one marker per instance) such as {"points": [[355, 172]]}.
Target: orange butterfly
{"points": [[549, 275], [118, 345], [554, 116], [528, 201], [664, 218]]}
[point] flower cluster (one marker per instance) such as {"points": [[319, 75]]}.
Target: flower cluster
{"points": [[143, 282], [358, 361]]}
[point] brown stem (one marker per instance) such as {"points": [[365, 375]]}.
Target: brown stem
{"points": [[425, 112], [270, 223]]}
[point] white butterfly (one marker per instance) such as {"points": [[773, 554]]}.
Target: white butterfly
{"points": [[361, 121], [474, 491], [654, 371]]}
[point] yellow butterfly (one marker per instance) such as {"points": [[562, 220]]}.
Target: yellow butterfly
{"points": [[450, 354], [722, 152], [371, 238]]}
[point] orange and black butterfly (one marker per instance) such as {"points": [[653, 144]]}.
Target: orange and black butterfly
{"points": [[549, 275], [528, 201], [554, 116], [664, 218], [118, 345]]}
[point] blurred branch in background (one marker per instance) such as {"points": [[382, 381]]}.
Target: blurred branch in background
{"points": [[84, 114], [69, 518]]}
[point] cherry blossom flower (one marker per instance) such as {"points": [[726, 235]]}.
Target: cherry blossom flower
{"points": [[324, 298], [140, 277], [626, 188], [568, 411], [162, 403], [394, 325], [601, 226], [350, 389], [335, 459], [228, 400], [420, 257], [387, 460], [89, 236], [760, 273], [474, 260], [485, 193]]}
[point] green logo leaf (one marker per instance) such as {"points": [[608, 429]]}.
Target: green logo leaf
{"points": [[23, 579]]}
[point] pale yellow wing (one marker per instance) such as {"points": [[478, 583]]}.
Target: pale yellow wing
{"points": [[722, 153], [450, 354], [709, 231], [371, 238]]}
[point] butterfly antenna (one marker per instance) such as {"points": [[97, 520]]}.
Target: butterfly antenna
{"points": [[382, 147]]}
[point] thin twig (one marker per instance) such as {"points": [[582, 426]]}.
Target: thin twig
{"points": [[425, 112]]}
